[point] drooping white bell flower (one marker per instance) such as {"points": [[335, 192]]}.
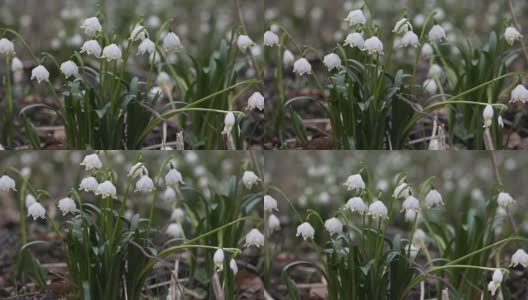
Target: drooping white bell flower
{"points": [[177, 215], [138, 33], [419, 238], [354, 182], [146, 46], [332, 61], [169, 194], [492, 287], [427, 51], [112, 52], [106, 189], [173, 178], [91, 162], [410, 39], [137, 169], [256, 101], [7, 183], [174, 230], [302, 66], [500, 122], [30, 200], [229, 122], [273, 223], [17, 65], [92, 47], [36, 210], [437, 34], [244, 42], [433, 198], [67, 205], [511, 35], [410, 215], [270, 39], [91, 26], [497, 276], [218, 260], [410, 203], [69, 68], [430, 86], [373, 45], [378, 210], [233, 266], [249, 179], [487, 115], [89, 184], [333, 226], [7, 47], [288, 58], [355, 40], [435, 71], [519, 258], [402, 191], [357, 204], [270, 203], [355, 17], [171, 42], [305, 230], [505, 200], [519, 93], [411, 251], [40, 73], [254, 238], [402, 26], [165, 81], [145, 184]]}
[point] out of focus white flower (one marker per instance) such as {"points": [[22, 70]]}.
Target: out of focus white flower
{"points": [[173, 178], [67, 205], [333, 226], [378, 210], [411, 203], [433, 198], [412, 251], [17, 65], [302, 66], [92, 47], [519, 93], [373, 45], [36, 210], [435, 71], [138, 33], [487, 115], [254, 238], [146, 46], [233, 266], [332, 61], [427, 51], [40, 73], [249, 179], [256, 101], [500, 122], [270, 203], [177, 215], [244, 42], [137, 169], [7, 183], [511, 35], [402, 191], [410, 39], [288, 58], [402, 26], [174, 230], [420, 238], [270, 39], [497, 276], [430, 86], [357, 204], [273, 223], [89, 184], [169, 194], [30, 200], [218, 259], [91, 26], [112, 52], [171, 42], [229, 122], [505, 200], [91, 162], [355, 40], [492, 287], [106, 189], [410, 215], [305, 230], [437, 34], [355, 17], [145, 184], [7, 47], [69, 68], [519, 257], [354, 182]]}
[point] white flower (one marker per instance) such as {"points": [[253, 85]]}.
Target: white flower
{"points": [[40, 73], [7, 183], [332, 61], [302, 66], [17, 65], [173, 178], [270, 203], [30, 200], [402, 26], [177, 215], [91, 26], [437, 34], [288, 58], [89, 184], [433, 198], [419, 237], [519, 93], [430, 86], [435, 71], [36, 210], [492, 287], [171, 42], [91, 162], [233, 266], [373, 46], [249, 179], [427, 51], [218, 260], [69, 68], [497, 276], [229, 122], [164, 81], [145, 184], [378, 210], [244, 42], [92, 47], [505, 200], [137, 170], [256, 101], [500, 122], [273, 223], [410, 215], [112, 52], [175, 230], [410, 39], [487, 115], [511, 35], [412, 251], [169, 194], [355, 17], [354, 182], [411, 203], [270, 39], [254, 238], [357, 204], [519, 257], [402, 191], [333, 226], [67, 205], [7, 47], [146, 46], [306, 230], [106, 189], [355, 40], [138, 33]]}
